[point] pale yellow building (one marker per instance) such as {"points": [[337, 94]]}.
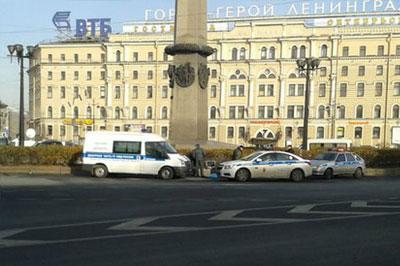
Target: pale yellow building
{"points": [[255, 89]]}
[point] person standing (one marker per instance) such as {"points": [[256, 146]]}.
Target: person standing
{"points": [[290, 149], [198, 156], [237, 153]]}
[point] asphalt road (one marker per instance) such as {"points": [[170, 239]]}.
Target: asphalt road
{"points": [[131, 221]]}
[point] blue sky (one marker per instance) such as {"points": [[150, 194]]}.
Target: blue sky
{"points": [[30, 21]]}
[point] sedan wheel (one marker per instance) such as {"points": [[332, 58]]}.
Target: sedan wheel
{"points": [[297, 175], [358, 173], [242, 175], [328, 174]]}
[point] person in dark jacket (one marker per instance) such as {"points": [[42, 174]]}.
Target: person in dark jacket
{"points": [[198, 157], [237, 153], [290, 149]]}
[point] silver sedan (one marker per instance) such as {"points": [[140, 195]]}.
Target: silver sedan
{"points": [[267, 164]]}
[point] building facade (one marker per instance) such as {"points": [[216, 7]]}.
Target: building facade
{"points": [[255, 89]]}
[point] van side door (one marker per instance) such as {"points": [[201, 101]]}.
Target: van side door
{"points": [[154, 159], [126, 156]]}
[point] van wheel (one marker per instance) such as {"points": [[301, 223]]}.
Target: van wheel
{"points": [[358, 173], [297, 175], [242, 175], [166, 173], [100, 171]]}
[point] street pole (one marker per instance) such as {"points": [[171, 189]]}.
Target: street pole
{"points": [[21, 105], [306, 109]]}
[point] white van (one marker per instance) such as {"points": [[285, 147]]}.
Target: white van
{"points": [[132, 153]]}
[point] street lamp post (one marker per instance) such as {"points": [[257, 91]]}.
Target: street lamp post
{"points": [[18, 49], [307, 65]]}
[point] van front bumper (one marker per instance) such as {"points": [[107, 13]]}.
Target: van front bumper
{"points": [[181, 171]]}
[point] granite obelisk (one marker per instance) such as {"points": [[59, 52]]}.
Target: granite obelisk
{"points": [[189, 74]]}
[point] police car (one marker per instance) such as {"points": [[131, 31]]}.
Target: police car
{"points": [[330, 164], [267, 164]]}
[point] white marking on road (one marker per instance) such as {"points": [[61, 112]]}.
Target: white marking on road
{"points": [[231, 216], [364, 204], [306, 209]]}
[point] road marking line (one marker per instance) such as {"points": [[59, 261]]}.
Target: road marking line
{"points": [[364, 204], [230, 216]]}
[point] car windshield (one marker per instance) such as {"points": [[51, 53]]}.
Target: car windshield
{"points": [[251, 156], [328, 156]]}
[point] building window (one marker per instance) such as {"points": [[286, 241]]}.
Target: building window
{"points": [[212, 133], [214, 74], [150, 74], [213, 112], [213, 91], [149, 129], [135, 75], [117, 75], [261, 90], [50, 112], [103, 113], [270, 90], [322, 71], [149, 92], [164, 132], [359, 111], [302, 51], [397, 49], [102, 92], [289, 133], [76, 58], [363, 50], [234, 54], [237, 90], [271, 54], [358, 132], [343, 90], [102, 75], [76, 92], [164, 113], [361, 71], [299, 111], [242, 54], [50, 75], [242, 132], [165, 57], [89, 58], [324, 51], [150, 56], [345, 51], [379, 70], [397, 70], [149, 113], [75, 131], [290, 112], [49, 92], [117, 92], [62, 112], [165, 74], [340, 132], [232, 112], [345, 71], [164, 93], [396, 89], [63, 75], [321, 112], [360, 89], [76, 112], [322, 90], [135, 92], [117, 113], [62, 131], [134, 112], [62, 58], [230, 133], [381, 50], [240, 112], [89, 75], [292, 90], [89, 92], [376, 133], [49, 130], [76, 75], [320, 132], [396, 112], [377, 112], [263, 53], [294, 52], [300, 132], [50, 58], [135, 57], [117, 128], [378, 88], [89, 112], [214, 56], [261, 112], [342, 112], [118, 56], [62, 92], [103, 58]]}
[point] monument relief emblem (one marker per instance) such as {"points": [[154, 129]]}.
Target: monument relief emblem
{"points": [[185, 75], [204, 74]]}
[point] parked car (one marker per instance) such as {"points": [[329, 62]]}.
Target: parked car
{"points": [[330, 164], [49, 143], [267, 164]]}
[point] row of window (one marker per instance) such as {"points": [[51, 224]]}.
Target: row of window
{"points": [[362, 71], [297, 111]]}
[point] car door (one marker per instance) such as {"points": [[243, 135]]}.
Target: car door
{"points": [[340, 164], [263, 166], [284, 164], [154, 158], [351, 165]]}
